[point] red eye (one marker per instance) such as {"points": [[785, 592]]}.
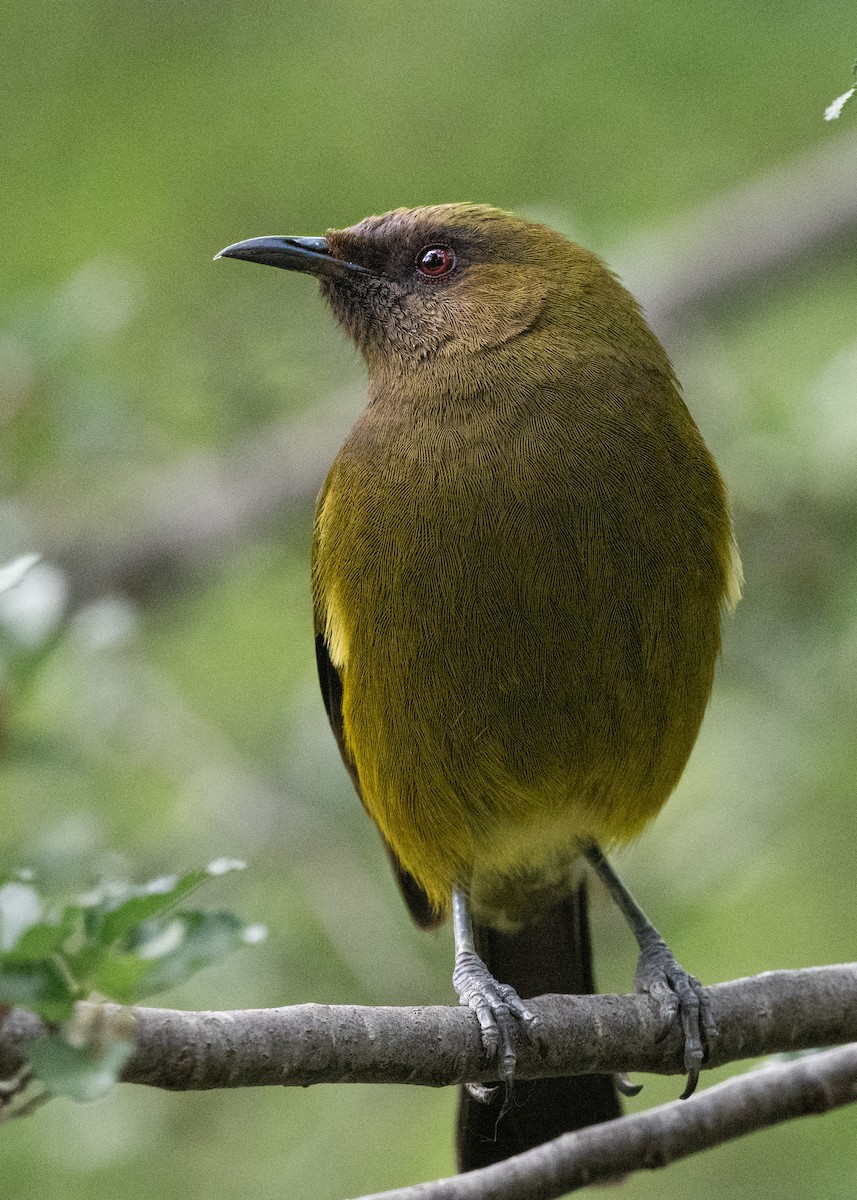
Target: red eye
{"points": [[435, 261]]}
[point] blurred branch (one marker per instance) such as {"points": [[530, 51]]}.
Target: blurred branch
{"points": [[761, 227], [604, 1153], [776, 1012], [191, 514]]}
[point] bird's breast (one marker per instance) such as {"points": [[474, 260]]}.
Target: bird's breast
{"points": [[525, 618]]}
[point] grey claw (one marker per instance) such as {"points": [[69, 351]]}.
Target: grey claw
{"points": [[690, 1086], [530, 1020], [499, 1009], [480, 1092], [624, 1085], [681, 997]]}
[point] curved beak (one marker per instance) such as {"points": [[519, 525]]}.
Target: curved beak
{"points": [[310, 255]]}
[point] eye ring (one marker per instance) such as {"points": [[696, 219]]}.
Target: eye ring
{"points": [[436, 261]]}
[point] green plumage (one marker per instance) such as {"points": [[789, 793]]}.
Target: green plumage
{"points": [[529, 595], [519, 574]]}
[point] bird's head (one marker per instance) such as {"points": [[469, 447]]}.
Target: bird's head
{"points": [[457, 285]]}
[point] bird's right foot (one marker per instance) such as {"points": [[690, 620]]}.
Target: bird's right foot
{"points": [[499, 1010]]}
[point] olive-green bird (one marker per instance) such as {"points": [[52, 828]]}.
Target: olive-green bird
{"points": [[522, 553]]}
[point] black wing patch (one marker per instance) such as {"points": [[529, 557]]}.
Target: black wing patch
{"points": [[330, 680]]}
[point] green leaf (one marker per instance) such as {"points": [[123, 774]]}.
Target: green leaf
{"points": [[43, 939], [123, 940], [79, 1072], [190, 942], [136, 905], [83, 964], [40, 987], [118, 976]]}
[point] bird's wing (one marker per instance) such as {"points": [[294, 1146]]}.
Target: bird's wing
{"points": [[331, 689]]}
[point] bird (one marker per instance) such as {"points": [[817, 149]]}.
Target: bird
{"points": [[522, 557]]}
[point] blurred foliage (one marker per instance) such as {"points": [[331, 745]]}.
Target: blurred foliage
{"points": [[123, 941], [118, 941], [138, 140]]}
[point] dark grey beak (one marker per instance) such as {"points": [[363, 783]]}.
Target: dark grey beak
{"points": [[308, 254]]}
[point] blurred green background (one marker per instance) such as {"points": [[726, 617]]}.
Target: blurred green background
{"points": [[152, 718]]}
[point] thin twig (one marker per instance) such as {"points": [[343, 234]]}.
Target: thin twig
{"points": [[815, 1084]]}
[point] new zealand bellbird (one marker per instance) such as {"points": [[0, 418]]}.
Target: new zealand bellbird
{"points": [[521, 556]]}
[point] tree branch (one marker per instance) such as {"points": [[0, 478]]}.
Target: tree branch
{"points": [[815, 1084], [192, 513], [775, 1012]]}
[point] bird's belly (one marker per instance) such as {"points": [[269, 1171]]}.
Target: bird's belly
{"points": [[516, 680], [527, 865], [490, 745]]}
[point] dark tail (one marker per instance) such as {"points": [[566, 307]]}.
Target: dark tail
{"points": [[552, 955]]}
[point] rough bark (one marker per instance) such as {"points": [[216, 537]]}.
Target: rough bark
{"points": [[776, 1012]]}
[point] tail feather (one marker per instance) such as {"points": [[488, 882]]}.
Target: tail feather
{"points": [[553, 954]]}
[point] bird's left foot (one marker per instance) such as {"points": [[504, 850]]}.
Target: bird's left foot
{"points": [[498, 1008], [681, 997]]}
